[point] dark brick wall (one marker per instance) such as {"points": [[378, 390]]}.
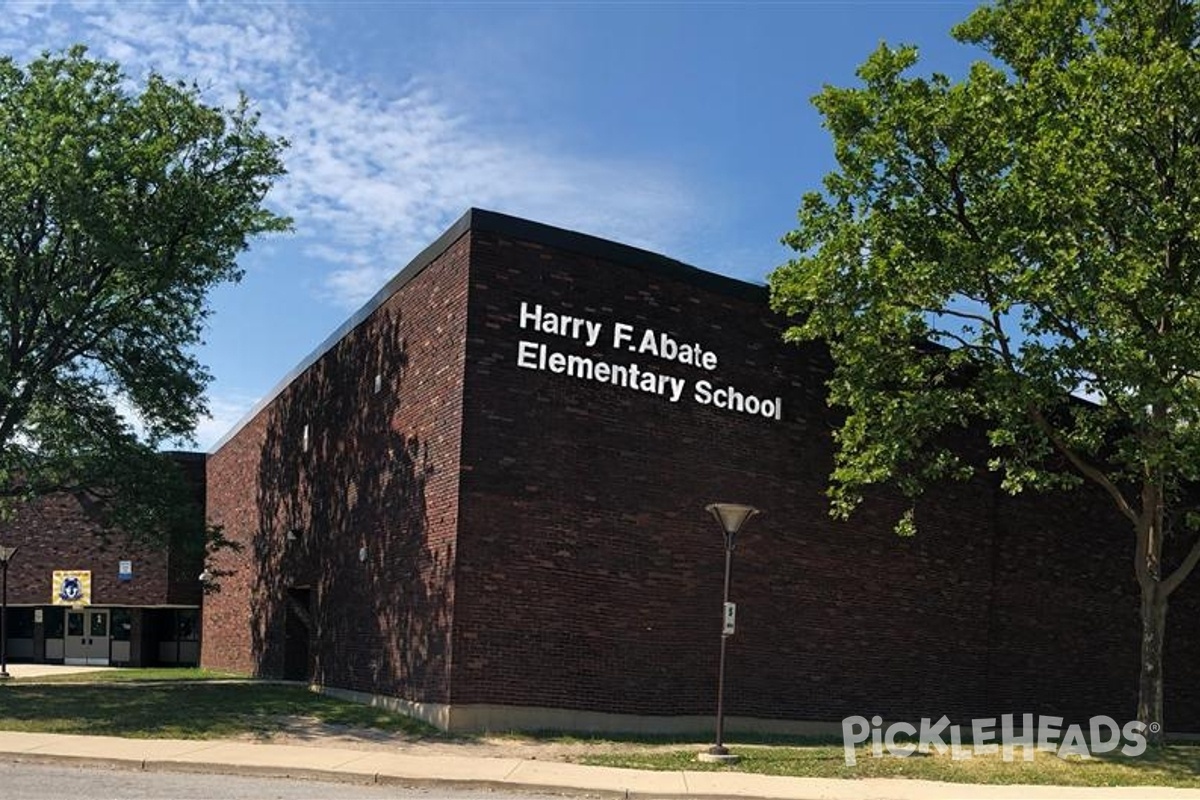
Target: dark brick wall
{"points": [[379, 473], [534, 539], [589, 576], [1181, 660], [186, 558], [1066, 629]]}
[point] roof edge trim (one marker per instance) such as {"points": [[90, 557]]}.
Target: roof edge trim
{"points": [[476, 219], [398, 281]]}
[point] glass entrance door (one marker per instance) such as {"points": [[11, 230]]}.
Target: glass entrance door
{"points": [[87, 637]]}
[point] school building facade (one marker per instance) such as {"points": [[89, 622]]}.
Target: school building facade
{"points": [[80, 595], [482, 500]]}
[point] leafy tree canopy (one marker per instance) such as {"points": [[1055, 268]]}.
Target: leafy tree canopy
{"points": [[120, 208], [990, 246]]}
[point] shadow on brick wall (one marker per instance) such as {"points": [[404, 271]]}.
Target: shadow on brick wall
{"points": [[351, 591]]}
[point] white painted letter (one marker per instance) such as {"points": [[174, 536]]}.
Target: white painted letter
{"points": [[527, 355], [621, 333], [593, 332], [531, 319]]}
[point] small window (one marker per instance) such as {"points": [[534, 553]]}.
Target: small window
{"points": [[189, 625], [122, 624], [75, 624], [52, 618], [20, 623], [161, 624]]}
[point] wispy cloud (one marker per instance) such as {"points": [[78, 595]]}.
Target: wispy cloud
{"points": [[375, 172], [225, 409]]}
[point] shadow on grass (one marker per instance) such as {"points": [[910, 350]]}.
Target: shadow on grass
{"points": [[197, 710], [1176, 765], [1181, 758]]}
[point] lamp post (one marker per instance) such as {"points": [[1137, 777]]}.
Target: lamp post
{"points": [[6, 554], [208, 581], [731, 517]]}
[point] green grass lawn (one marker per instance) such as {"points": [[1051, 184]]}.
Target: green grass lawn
{"points": [[183, 704], [137, 674], [199, 704], [1176, 765]]}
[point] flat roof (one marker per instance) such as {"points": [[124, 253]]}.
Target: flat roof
{"points": [[477, 219]]}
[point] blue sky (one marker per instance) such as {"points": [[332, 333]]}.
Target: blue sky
{"points": [[683, 128]]}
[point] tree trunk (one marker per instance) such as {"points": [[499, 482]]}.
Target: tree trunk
{"points": [[1150, 685]]}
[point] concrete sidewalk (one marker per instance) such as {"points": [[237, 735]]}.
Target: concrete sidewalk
{"points": [[50, 670], [324, 763]]}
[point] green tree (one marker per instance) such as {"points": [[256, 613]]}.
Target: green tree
{"points": [[989, 246], [121, 206]]}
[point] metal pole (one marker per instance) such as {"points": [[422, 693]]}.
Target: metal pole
{"points": [[719, 747], [4, 624]]}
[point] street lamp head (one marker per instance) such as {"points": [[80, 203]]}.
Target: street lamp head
{"points": [[6, 554], [731, 517]]}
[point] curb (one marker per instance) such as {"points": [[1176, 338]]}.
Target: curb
{"points": [[524, 775], [355, 778]]}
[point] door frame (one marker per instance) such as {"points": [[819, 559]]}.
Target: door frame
{"points": [[87, 649]]}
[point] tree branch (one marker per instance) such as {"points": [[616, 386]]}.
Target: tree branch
{"points": [[1090, 471], [1180, 574]]}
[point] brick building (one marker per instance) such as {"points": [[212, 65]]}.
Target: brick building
{"points": [[482, 499], [78, 594]]}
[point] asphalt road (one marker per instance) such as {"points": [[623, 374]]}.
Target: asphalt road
{"points": [[50, 782]]}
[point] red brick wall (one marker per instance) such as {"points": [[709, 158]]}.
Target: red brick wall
{"points": [[227, 620], [381, 473], [58, 532]]}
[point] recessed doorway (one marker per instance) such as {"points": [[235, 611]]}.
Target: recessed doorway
{"points": [[87, 638]]}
